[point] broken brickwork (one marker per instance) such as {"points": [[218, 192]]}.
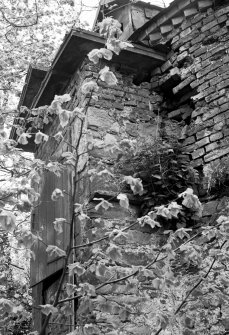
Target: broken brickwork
{"points": [[195, 82]]}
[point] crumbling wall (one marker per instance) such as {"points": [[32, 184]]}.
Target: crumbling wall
{"points": [[195, 82], [124, 111], [190, 91]]}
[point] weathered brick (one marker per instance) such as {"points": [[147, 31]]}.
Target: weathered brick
{"points": [[203, 72], [209, 25], [214, 29], [215, 81], [220, 12], [216, 136], [197, 162], [200, 51], [166, 66], [202, 142], [226, 132], [211, 146], [222, 19], [210, 113], [198, 153], [215, 95], [182, 56], [218, 126], [185, 32], [184, 83], [189, 140], [203, 86], [222, 100], [208, 18], [197, 18], [202, 133], [193, 48], [216, 154], [189, 148], [223, 84]]}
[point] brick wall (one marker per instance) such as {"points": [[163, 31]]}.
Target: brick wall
{"points": [[195, 82]]}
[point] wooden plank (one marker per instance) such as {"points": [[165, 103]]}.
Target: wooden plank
{"points": [[46, 212], [37, 300]]}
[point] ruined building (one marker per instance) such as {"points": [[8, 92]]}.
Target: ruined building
{"points": [[176, 77]]}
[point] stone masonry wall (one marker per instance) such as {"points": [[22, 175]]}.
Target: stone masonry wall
{"points": [[195, 82]]}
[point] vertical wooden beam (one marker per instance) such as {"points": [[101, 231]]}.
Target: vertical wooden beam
{"points": [[37, 300]]}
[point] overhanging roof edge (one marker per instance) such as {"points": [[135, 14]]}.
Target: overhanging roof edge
{"points": [[93, 37]]}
